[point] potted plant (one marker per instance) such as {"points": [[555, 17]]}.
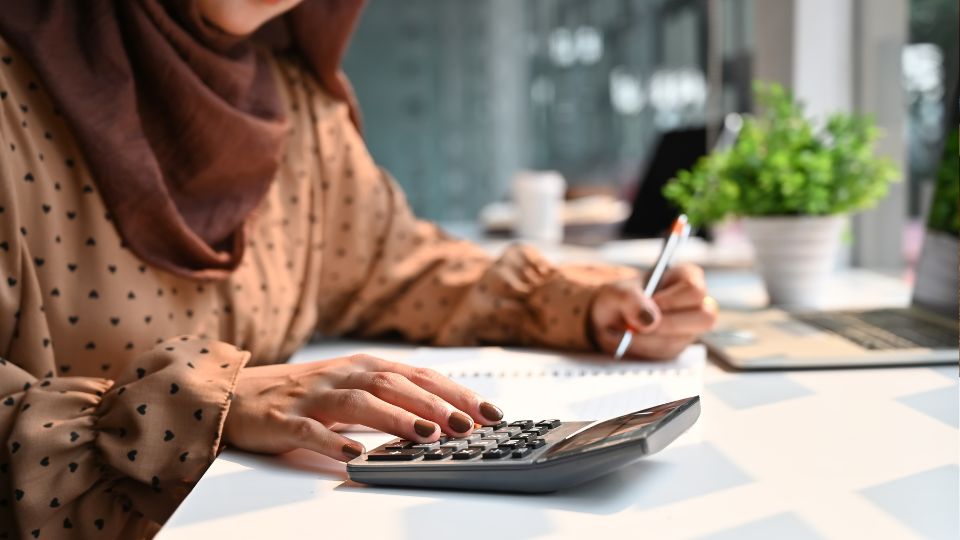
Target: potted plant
{"points": [[794, 184]]}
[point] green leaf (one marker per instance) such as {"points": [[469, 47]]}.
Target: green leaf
{"points": [[782, 165]]}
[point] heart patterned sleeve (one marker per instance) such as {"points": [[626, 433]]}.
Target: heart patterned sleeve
{"points": [[110, 453], [388, 273], [95, 458]]}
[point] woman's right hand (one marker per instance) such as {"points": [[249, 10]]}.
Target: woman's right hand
{"points": [[282, 407]]}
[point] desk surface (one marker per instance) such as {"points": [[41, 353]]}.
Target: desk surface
{"points": [[818, 454]]}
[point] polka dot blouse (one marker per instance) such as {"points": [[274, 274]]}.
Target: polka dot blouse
{"points": [[116, 377]]}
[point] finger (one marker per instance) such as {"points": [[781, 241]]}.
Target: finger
{"points": [[459, 396], [687, 322], [355, 406], [609, 339], [648, 346], [683, 286], [397, 389], [303, 432], [641, 314], [681, 273], [681, 294]]}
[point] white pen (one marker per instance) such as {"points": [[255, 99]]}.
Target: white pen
{"points": [[679, 232]]}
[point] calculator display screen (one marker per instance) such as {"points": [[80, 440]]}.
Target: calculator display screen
{"points": [[612, 431]]}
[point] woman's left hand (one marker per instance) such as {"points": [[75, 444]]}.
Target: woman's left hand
{"points": [[678, 313]]}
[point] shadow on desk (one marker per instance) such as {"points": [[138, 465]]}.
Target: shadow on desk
{"points": [[676, 474]]}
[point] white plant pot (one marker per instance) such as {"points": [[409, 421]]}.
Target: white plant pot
{"points": [[795, 256]]}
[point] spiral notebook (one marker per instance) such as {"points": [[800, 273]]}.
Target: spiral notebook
{"points": [[541, 384]]}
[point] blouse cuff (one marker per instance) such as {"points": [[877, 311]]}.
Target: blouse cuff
{"points": [[566, 301], [52, 444], [162, 422]]}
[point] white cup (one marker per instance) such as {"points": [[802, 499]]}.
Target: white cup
{"points": [[539, 201]]}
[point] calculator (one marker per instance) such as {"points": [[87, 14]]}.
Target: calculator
{"points": [[527, 456]]}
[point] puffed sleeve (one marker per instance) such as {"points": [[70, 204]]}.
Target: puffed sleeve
{"points": [[89, 457], [393, 274]]}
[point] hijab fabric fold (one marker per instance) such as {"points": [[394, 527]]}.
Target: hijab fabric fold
{"points": [[150, 89]]}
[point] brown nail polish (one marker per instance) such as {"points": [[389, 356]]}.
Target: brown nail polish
{"points": [[424, 428], [459, 422], [352, 450], [490, 411], [647, 317]]}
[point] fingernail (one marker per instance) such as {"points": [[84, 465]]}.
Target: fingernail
{"points": [[647, 317], [352, 450], [424, 428], [459, 422], [490, 411]]}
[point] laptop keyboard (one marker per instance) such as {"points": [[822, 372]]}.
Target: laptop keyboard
{"points": [[884, 329]]}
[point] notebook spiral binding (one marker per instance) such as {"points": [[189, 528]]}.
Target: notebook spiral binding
{"points": [[569, 373]]}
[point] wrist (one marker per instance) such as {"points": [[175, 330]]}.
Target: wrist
{"points": [[590, 328]]}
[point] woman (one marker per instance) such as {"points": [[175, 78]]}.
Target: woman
{"points": [[181, 206]]}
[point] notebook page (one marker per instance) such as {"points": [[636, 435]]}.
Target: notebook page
{"points": [[527, 384]]}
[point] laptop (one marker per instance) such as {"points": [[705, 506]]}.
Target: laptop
{"points": [[924, 333]]}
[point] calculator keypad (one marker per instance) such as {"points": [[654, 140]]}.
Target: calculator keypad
{"points": [[504, 441]]}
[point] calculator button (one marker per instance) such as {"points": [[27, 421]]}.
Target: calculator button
{"points": [[510, 430], [549, 424], [536, 443], [496, 453], [399, 443], [437, 454], [500, 425], [496, 437], [536, 431], [511, 445], [408, 454], [483, 443], [427, 446], [521, 452], [484, 431], [524, 437], [456, 444], [395, 447], [522, 424], [473, 437], [467, 453]]}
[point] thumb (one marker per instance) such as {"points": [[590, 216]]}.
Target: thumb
{"points": [[640, 314]]}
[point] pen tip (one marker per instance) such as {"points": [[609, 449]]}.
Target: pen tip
{"points": [[679, 224]]}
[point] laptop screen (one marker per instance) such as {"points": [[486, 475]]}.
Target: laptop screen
{"points": [[936, 286]]}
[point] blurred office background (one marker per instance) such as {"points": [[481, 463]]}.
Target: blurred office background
{"points": [[458, 95]]}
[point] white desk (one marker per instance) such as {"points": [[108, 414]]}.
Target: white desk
{"points": [[805, 455]]}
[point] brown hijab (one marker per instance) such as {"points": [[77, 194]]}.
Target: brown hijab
{"points": [[149, 89]]}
